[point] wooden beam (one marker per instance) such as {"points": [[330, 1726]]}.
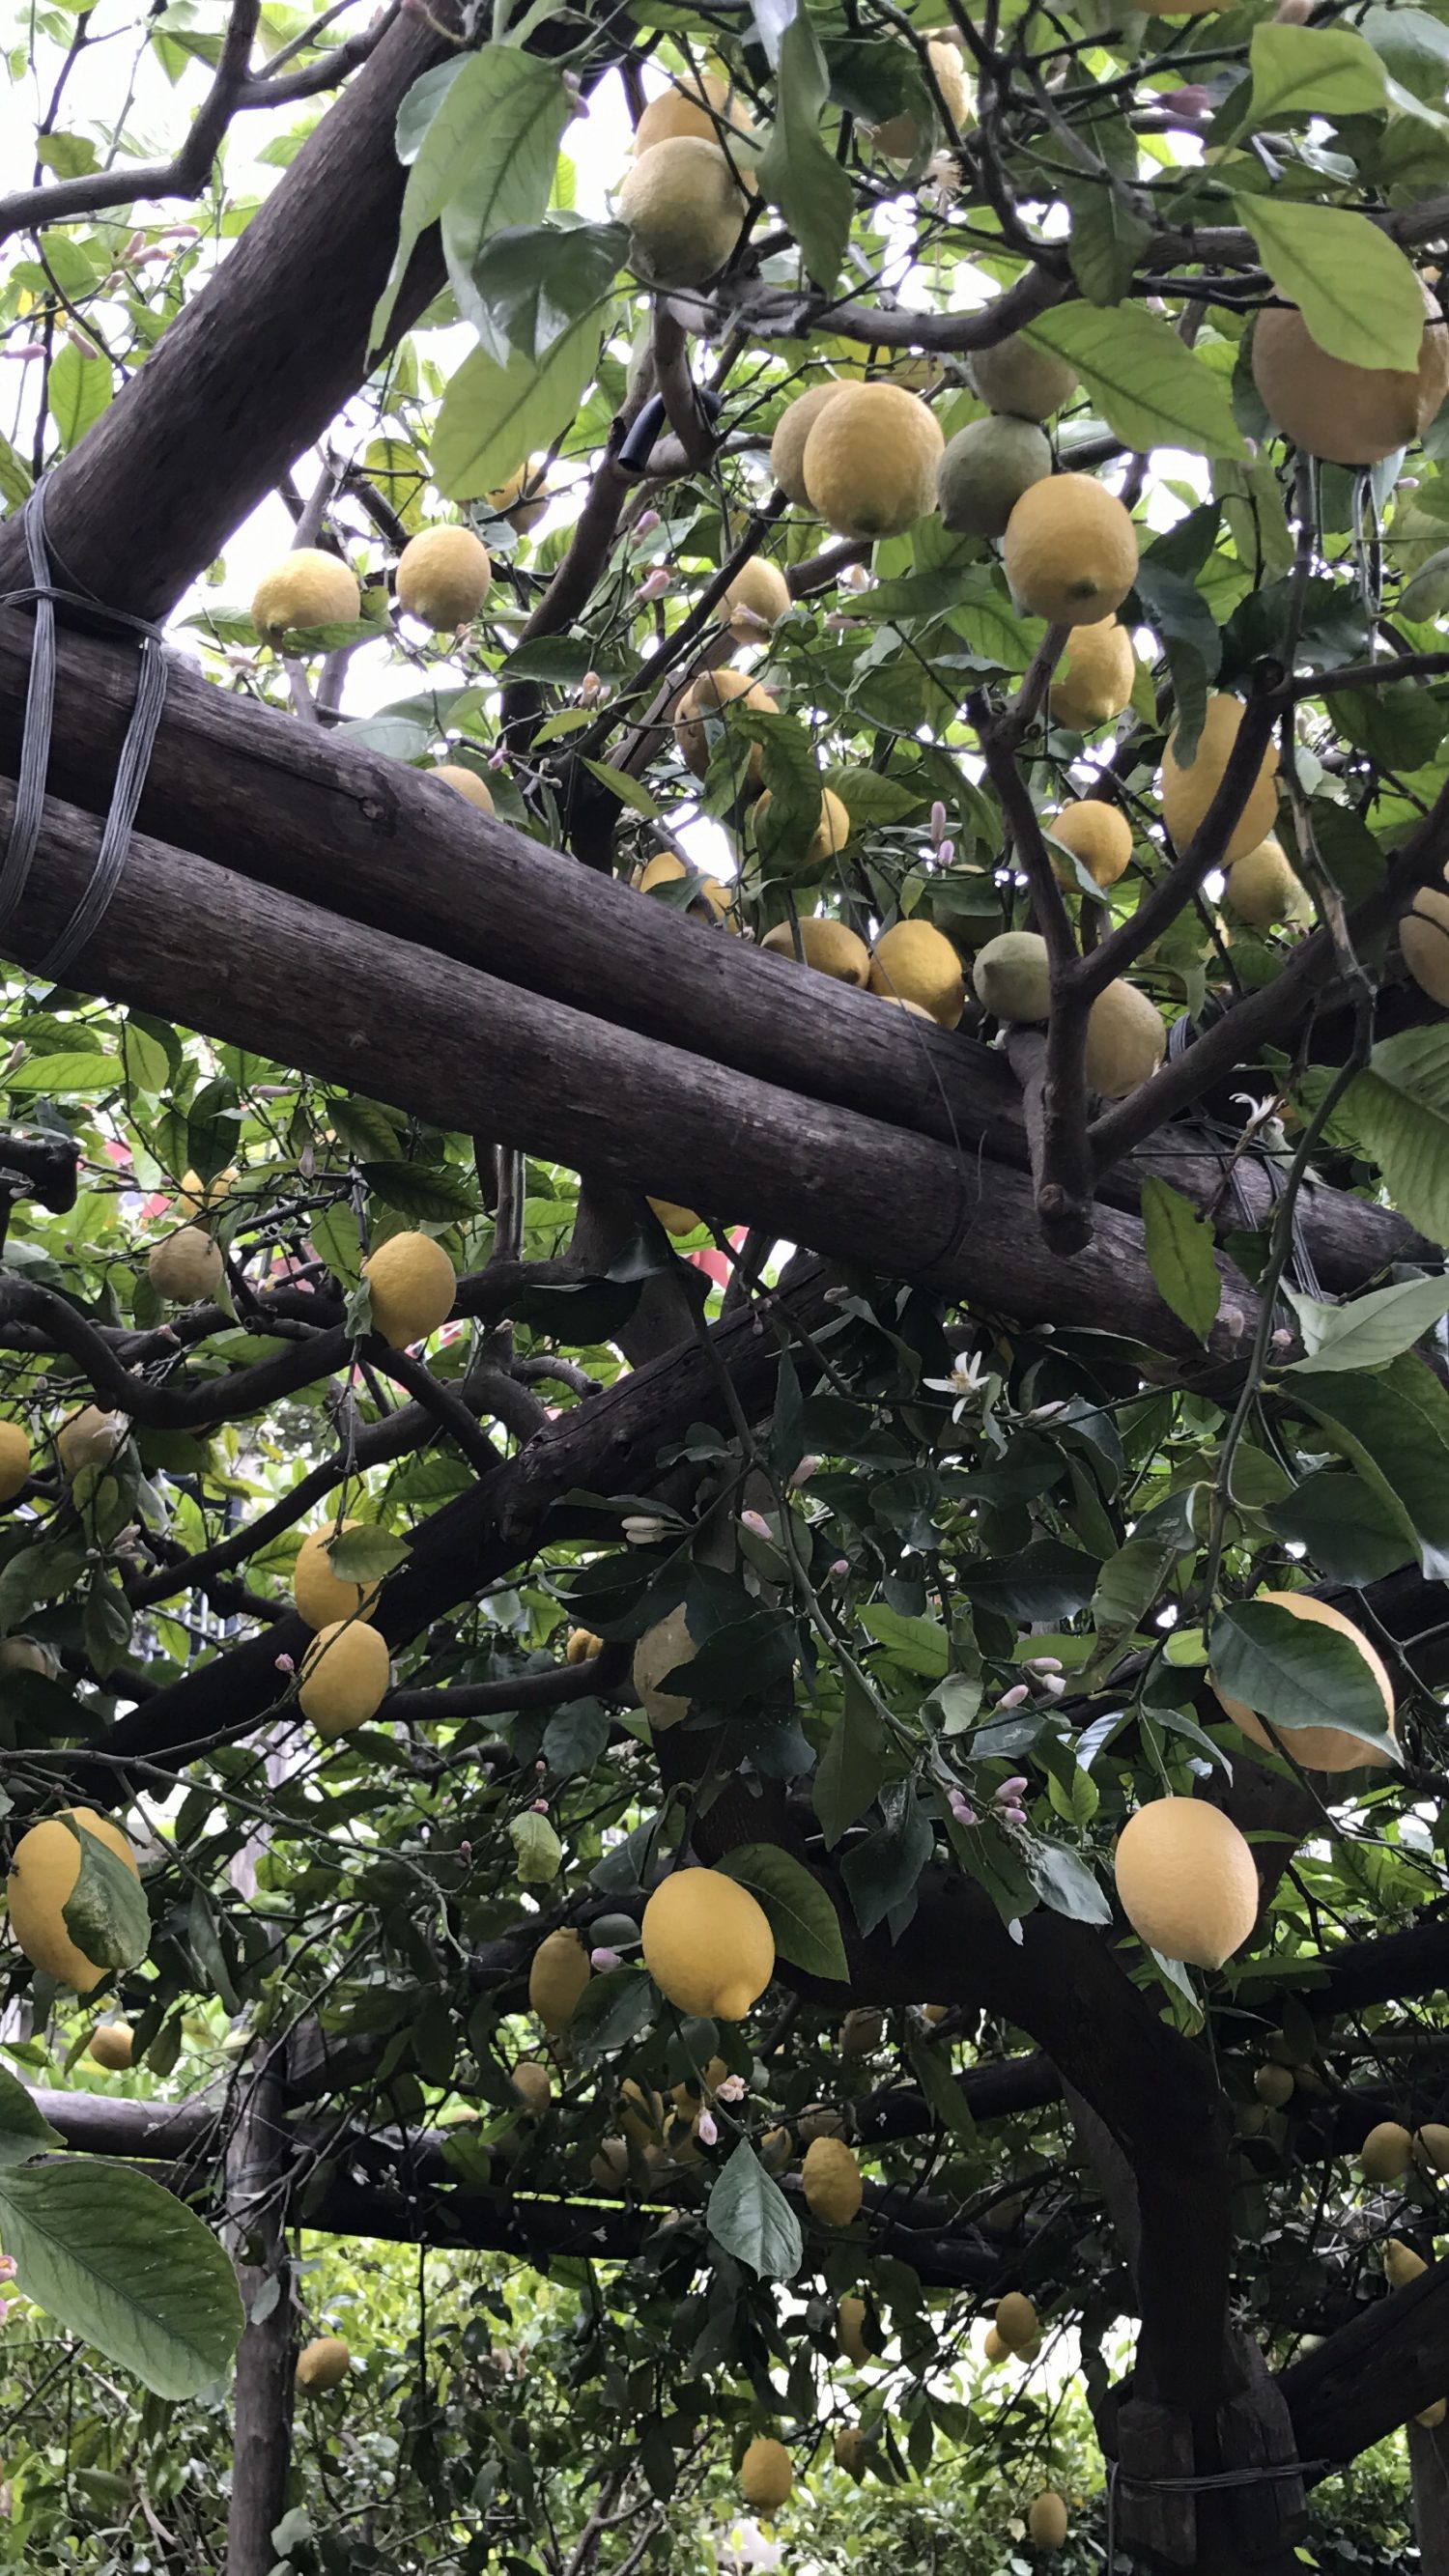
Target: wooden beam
{"points": [[466, 1051], [300, 809]]}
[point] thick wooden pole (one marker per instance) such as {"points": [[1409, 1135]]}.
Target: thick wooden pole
{"points": [[297, 808], [458, 1047], [262, 2402]]}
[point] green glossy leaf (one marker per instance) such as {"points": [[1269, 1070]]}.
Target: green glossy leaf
{"points": [[1369, 1330], [433, 1192], [24, 2131], [1355, 289], [366, 1554], [882, 1870], [1150, 389], [486, 158], [1107, 238], [852, 1767], [802, 1917], [78, 392], [1182, 1256], [1295, 1672], [494, 418], [530, 282], [122, 2263], [749, 2217], [106, 1914], [627, 789], [1399, 1106], [1312, 71], [1063, 1881], [798, 171], [613, 2011], [64, 1076], [1394, 1429], [1352, 1535], [922, 1645]]}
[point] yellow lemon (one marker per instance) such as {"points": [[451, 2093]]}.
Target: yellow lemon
{"points": [[766, 2475], [833, 2186], [850, 2331], [707, 1944], [1070, 550], [322, 2364], [684, 208], [43, 1875], [14, 1460], [787, 447], [1186, 1880], [322, 1599], [1093, 680], [413, 1285], [186, 1267], [1385, 2152], [915, 962], [1015, 376], [825, 843], [1349, 415], [661, 1650], [1424, 940], [346, 1676], [443, 578], [112, 2045], [1096, 833], [464, 782], [870, 462], [1262, 887], [705, 700], [1320, 1748], [1188, 790], [557, 1976], [755, 601], [307, 588], [90, 1439], [1016, 2320], [830, 947], [1047, 2520], [1126, 1040]]}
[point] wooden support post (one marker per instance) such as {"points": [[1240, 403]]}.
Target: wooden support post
{"points": [[256, 2233]]}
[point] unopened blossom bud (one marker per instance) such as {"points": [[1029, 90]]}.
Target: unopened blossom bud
{"points": [[733, 2089], [590, 687], [1010, 1790], [1014, 1697], [938, 823], [8, 2267], [540, 1806], [465, 1853], [603, 1960], [647, 522], [946, 851], [1043, 1663], [964, 1813], [807, 1468], [655, 583], [1013, 1815], [757, 1522], [840, 1568], [285, 1664], [705, 2130], [643, 1529], [1052, 1685]]}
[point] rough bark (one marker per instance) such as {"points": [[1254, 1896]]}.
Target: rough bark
{"points": [[464, 1050], [301, 810], [256, 2166]]}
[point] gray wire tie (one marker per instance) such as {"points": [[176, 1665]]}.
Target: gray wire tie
{"points": [[131, 768]]}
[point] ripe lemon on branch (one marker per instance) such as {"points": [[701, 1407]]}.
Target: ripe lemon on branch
{"points": [[870, 461], [557, 1976], [708, 1944], [766, 2475], [322, 1598], [684, 208], [1186, 1880], [1070, 551], [413, 1285], [307, 588], [1320, 1748], [443, 578], [322, 2364], [43, 1877], [832, 2182], [346, 1675]]}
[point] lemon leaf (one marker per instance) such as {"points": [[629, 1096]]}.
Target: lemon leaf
{"points": [[1356, 291], [1145, 384]]}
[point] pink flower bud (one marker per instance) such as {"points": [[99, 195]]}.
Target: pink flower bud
{"points": [[540, 1768], [465, 1853], [1044, 1664], [603, 1960], [1014, 1697], [498, 759], [655, 583], [705, 2130], [8, 2267], [1013, 1815], [963, 1813], [1191, 104], [840, 1568], [733, 2089], [938, 822], [1052, 1685], [757, 1522], [285, 1664], [539, 1807], [647, 522], [807, 1468], [1012, 1788]]}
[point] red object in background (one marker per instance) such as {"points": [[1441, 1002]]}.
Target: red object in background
{"points": [[712, 1263], [120, 1155]]}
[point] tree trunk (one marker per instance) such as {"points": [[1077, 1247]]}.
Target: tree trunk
{"points": [[1429, 2472], [262, 2402]]}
